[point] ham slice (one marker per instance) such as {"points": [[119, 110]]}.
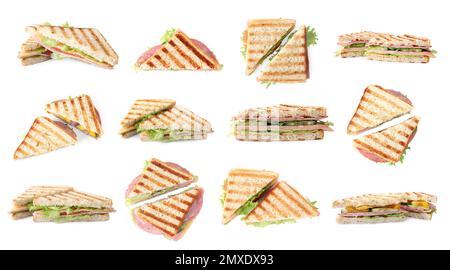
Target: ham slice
{"points": [[399, 95], [190, 216], [283, 128], [371, 156], [66, 129], [149, 53], [418, 210]]}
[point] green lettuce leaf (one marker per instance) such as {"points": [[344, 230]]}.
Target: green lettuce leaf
{"points": [[156, 134], [356, 45], [251, 203], [168, 35], [311, 36], [402, 158], [267, 84], [266, 223]]}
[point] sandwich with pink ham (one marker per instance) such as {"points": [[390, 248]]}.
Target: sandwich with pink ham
{"points": [[83, 44], [386, 207], [172, 216], [177, 51], [281, 123], [156, 179]]}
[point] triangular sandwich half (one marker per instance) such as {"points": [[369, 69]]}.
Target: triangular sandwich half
{"points": [[158, 178], [172, 216], [23, 202], [281, 204], [388, 145], [242, 189], [378, 106], [79, 112], [31, 52], [85, 44], [290, 65], [175, 124], [262, 37], [45, 135], [71, 206], [141, 110], [178, 52]]}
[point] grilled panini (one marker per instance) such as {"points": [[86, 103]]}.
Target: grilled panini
{"points": [[290, 65], [170, 217], [177, 123], [281, 123], [242, 189], [262, 37], [141, 110], [386, 207], [388, 145], [85, 44], [71, 206], [354, 44], [31, 52], [156, 179], [178, 52], [377, 106], [79, 112], [22, 203], [399, 48], [45, 136], [281, 204]]}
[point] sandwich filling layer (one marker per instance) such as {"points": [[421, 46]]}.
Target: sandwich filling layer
{"points": [[64, 49]]}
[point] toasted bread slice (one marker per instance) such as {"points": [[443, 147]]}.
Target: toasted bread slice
{"points": [[85, 44], [290, 65], [281, 203], [74, 198], [389, 144], [181, 53], [286, 136], [371, 220], [383, 199], [45, 136], [38, 191], [243, 185], [378, 106], [79, 112], [262, 37], [39, 216]]}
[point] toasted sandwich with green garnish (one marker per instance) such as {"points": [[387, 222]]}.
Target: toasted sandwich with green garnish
{"points": [[23, 203], [71, 206], [281, 204], [242, 190], [141, 110], [261, 38], [281, 123], [84, 44], [177, 51]]}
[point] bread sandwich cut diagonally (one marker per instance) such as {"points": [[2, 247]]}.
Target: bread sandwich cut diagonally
{"points": [[79, 112], [181, 53], [45, 135], [281, 203], [290, 65], [262, 37], [242, 186], [378, 106], [158, 178], [389, 144], [84, 44], [21, 202]]}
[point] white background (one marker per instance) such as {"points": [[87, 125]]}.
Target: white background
{"points": [[322, 170]]}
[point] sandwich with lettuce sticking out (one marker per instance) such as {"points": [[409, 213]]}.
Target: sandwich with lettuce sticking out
{"points": [[158, 178], [262, 200], [386, 207], [61, 204], [84, 44], [177, 51]]}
